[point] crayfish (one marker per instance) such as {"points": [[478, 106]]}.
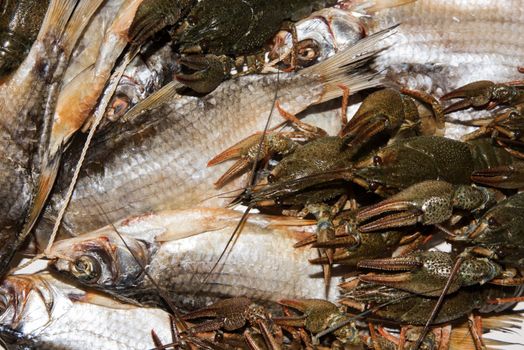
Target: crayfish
{"points": [[216, 37]]}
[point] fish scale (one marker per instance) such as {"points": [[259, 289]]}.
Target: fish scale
{"points": [[454, 43]]}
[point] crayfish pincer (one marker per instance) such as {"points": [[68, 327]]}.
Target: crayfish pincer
{"points": [[485, 94], [394, 113]]}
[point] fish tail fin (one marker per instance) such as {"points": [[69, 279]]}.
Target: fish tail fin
{"points": [[46, 182], [56, 19], [352, 67], [77, 23], [461, 337], [378, 5]]}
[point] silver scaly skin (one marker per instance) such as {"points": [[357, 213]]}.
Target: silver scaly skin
{"points": [[180, 248]]}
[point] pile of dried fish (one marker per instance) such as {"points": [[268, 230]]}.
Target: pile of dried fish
{"points": [[131, 128]]}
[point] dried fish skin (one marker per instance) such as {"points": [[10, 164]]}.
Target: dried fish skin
{"points": [[179, 249], [43, 312], [446, 44]]}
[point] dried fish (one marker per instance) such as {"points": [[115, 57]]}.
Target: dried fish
{"points": [[179, 248], [443, 45], [24, 100], [161, 164]]}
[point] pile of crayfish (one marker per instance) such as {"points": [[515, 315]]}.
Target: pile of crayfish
{"points": [[384, 192]]}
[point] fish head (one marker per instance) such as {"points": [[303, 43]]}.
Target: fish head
{"points": [[319, 37], [101, 259], [28, 303]]}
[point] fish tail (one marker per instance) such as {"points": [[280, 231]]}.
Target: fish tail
{"points": [[77, 23], [46, 182], [378, 5], [352, 67], [56, 19]]}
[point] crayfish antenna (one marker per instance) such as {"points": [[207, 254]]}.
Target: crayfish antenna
{"points": [[248, 189], [440, 300]]}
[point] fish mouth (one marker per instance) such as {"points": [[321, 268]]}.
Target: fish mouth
{"points": [[59, 264]]}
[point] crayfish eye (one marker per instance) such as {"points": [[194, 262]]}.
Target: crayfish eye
{"points": [[502, 93], [377, 161], [493, 223], [373, 186], [86, 268]]}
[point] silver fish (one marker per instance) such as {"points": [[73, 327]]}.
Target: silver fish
{"points": [[41, 312], [179, 249], [442, 45], [446, 44], [163, 164]]}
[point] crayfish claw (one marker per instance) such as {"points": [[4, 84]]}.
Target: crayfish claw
{"points": [[427, 272], [210, 71], [423, 273], [237, 169], [476, 94], [318, 316], [428, 202], [338, 242], [237, 150], [314, 317]]}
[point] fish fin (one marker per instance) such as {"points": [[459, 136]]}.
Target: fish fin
{"points": [[215, 219], [351, 67], [56, 19], [461, 337], [78, 22], [114, 301], [195, 221], [371, 7], [46, 182], [505, 322], [153, 101]]}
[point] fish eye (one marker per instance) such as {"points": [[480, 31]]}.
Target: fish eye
{"points": [[271, 178], [86, 268], [308, 51], [377, 161]]}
